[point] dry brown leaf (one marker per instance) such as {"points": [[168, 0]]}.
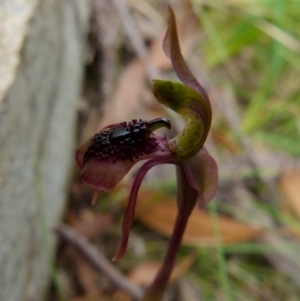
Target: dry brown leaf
{"points": [[160, 216], [289, 184], [144, 273]]}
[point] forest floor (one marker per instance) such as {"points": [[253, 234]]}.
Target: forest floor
{"points": [[245, 245]]}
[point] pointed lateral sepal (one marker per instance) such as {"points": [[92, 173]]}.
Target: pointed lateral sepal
{"points": [[202, 173], [128, 218]]}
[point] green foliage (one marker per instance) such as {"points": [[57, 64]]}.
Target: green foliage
{"points": [[257, 45]]}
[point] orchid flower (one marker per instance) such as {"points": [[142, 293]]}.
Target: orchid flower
{"points": [[108, 156]]}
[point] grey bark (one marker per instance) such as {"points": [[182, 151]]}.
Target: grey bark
{"points": [[41, 62]]}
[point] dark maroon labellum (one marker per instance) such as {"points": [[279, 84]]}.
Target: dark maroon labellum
{"points": [[126, 141]]}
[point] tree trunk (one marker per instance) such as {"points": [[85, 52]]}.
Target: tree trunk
{"points": [[41, 63]]}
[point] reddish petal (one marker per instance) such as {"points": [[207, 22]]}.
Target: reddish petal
{"points": [[104, 173], [202, 173]]}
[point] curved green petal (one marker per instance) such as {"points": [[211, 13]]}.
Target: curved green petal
{"points": [[185, 101]]}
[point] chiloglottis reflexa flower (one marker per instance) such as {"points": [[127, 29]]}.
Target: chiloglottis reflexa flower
{"points": [[107, 157]]}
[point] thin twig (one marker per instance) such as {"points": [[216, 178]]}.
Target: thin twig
{"points": [[97, 259]]}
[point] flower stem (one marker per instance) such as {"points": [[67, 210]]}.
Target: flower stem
{"points": [[186, 200]]}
